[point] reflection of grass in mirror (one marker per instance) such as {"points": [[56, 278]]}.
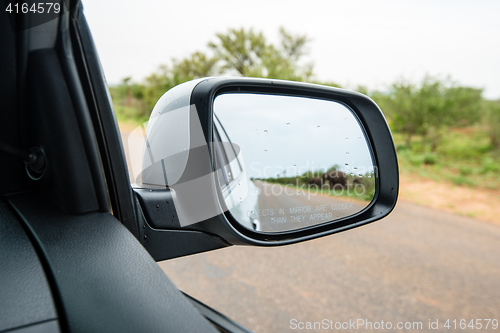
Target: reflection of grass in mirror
{"points": [[365, 196], [358, 188]]}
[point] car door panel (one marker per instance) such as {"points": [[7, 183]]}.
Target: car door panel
{"points": [[25, 293], [105, 279]]}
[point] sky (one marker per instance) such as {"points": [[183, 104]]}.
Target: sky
{"points": [[294, 135], [357, 42]]}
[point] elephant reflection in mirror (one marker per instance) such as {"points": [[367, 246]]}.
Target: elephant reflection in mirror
{"points": [[357, 181], [335, 177], [315, 181]]}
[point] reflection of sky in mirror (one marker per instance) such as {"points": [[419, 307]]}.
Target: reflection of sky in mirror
{"points": [[287, 136]]}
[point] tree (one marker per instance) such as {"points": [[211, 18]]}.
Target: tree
{"points": [[247, 53], [238, 52], [429, 108], [195, 66], [294, 47], [493, 122], [157, 84]]}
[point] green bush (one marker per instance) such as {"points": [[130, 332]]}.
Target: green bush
{"points": [[430, 158], [416, 160], [489, 165], [427, 109], [401, 147], [466, 146], [493, 122], [465, 170], [462, 180]]}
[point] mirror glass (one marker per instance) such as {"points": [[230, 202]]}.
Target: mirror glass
{"points": [[293, 162]]}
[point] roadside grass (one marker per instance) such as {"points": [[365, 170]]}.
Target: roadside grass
{"points": [[465, 157], [128, 110], [128, 115]]}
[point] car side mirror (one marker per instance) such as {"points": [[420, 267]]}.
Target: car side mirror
{"points": [[263, 162]]}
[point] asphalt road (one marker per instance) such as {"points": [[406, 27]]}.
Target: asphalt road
{"points": [[414, 266]]}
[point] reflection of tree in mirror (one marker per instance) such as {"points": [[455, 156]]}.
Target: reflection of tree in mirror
{"points": [[333, 182]]}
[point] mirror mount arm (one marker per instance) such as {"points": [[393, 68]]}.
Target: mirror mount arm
{"points": [[159, 228]]}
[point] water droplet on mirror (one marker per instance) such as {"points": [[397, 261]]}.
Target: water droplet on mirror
{"points": [[298, 193], [318, 126], [294, 165], [347, 153], [369, 176], [347, 164], [229, 174], [265, 131], [347, 138], [352, 175], [360, 176], [287, 124], [359, 137], [265, 151], [355, 168]]}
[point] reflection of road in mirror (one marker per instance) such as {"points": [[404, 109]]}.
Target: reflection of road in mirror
{"points": [[283, 208], [309, 158]]}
